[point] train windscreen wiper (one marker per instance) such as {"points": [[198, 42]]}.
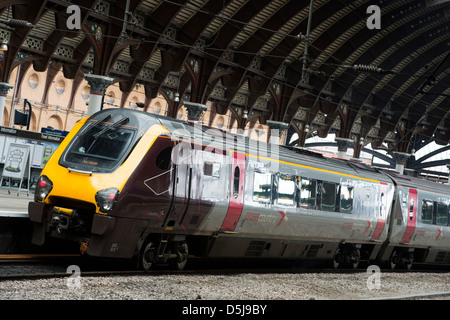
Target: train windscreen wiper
{"points": [[93, 125], [111, 126]]}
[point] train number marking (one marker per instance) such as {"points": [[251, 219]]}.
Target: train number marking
{"points": [[263, 218]]}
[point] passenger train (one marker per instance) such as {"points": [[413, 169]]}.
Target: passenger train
{"points": [[130, 184]]}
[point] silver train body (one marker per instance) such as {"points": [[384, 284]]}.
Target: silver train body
{"points": [[200, 191]]}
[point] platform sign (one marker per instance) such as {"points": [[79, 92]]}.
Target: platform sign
{"points": [[55, 132]]}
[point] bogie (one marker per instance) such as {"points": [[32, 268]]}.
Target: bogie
{"points": [[348, 256], [162, 250]]}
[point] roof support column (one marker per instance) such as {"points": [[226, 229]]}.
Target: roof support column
{"points": [[98, 85], [194, 110], [343, 144], [4, 88], [400, 160], [278, 131]]}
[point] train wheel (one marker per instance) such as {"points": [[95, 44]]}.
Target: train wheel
{"points": [[147, 255], [393, 261], [355, 258], [408, 265], [336, 262], [179, 263], [408, 261]]}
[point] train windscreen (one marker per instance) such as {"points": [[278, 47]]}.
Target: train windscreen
{"points": [[100, 146]]}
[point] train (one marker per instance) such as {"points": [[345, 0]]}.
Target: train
{"points": [[128, 184]]}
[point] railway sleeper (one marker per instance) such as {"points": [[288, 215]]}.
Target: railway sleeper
{"points": [[347, 255], [161, 249]]}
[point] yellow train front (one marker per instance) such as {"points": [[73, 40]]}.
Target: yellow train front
{"points": [[92, 190]]}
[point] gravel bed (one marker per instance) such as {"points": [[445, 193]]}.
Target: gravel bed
{"points": [[245, 286]]}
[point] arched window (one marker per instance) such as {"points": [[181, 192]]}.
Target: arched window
{"points": [[60, 86], [86, 93], [33, 81]]}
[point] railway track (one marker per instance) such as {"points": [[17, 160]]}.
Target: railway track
{"points": [[28, 269], [37, 256]]}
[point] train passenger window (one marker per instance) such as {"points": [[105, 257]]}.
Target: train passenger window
{"points": [[262, 187], [442, 214], [328, 196], [286, 190], [427, 211], [346, 199], [308, 193]]}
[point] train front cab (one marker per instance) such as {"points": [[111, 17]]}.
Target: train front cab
{"points": [[81, 193], [419, 224]]}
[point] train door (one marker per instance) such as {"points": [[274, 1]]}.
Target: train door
{"points": [[411, 219], [181, 184], [236, 193], [381, 219]]}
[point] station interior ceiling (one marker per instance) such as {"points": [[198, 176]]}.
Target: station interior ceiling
{"points": [[370, 72]]}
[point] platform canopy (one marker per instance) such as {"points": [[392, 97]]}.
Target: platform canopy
{"points": [[323, 66]]}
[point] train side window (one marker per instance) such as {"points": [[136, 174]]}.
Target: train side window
{"points": [[328, 196], [262, 187], [286, 190], [411, 209], [163, 158], [211, 169], [207, 169], [237, 177], [308, 193], [427, 211], [442, 214], [346, 199]]}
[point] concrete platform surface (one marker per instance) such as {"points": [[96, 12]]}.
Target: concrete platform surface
{"points": [[15, 203]]}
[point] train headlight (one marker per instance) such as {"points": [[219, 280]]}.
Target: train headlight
{"points": [[43, 188], [106, 199]]}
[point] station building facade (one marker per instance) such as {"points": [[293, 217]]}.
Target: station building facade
{"points": [[54, 108]]}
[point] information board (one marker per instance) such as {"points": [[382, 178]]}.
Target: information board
{"points": [[17, 161]]}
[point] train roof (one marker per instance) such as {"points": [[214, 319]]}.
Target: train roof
{"points": [[286, 154], [276, 152], [418, 183]]}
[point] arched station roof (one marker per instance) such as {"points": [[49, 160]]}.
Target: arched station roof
{"points": [[384, 85]]}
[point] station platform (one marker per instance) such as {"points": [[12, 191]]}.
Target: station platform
{"points": [[14, 204]]}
